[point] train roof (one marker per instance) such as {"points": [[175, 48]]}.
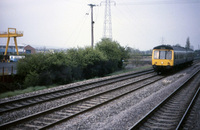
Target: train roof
{"points": [[163, 47], [177, 48]]}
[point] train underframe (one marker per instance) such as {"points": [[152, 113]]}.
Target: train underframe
{"points": [[164, 69]]}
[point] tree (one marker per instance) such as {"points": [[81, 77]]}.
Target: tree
{"points": [[75, 64], [187, 46], [111, 49], [178, 45], [113, 52]]}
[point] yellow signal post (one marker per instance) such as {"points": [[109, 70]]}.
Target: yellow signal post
{"points": [[11, 33]]}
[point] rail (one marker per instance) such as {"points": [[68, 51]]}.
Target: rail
{"points": [[180, 125], [82, 105], [144, 120], [69, 91]]}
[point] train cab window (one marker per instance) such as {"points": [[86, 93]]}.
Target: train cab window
{"points": [[162, 54], [156, 54], [168, 55]]}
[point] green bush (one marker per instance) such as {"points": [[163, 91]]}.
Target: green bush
{"points": [[60, 68], [113, 52], [74, 64], [31, 79]]}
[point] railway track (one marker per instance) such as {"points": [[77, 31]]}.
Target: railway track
{"points": [[190, 120], [44, 97], [47, 118], [171, 112]]}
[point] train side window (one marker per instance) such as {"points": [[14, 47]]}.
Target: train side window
{"points": [[181, 56], [175, 55], [156, 54], [168, 55]]}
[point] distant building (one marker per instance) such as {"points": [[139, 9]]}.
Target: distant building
{"points": [[29, 50], [21, 49], [11, 49]]}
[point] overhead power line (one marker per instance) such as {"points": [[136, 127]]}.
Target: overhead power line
{"points": [[154, 2]]}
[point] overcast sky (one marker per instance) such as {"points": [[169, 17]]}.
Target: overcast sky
{"points": [[140, 24]]}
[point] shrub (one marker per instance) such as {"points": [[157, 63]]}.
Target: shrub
{"points": [[62, 67], [75, 64], [31, 79], [113, 52]]}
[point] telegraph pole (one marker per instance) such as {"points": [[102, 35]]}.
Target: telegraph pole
{"points": [[92, 23]]}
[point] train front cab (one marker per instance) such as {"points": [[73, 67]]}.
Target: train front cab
{"points": [[162, 59]]}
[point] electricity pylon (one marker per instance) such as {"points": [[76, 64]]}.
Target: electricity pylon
{"points": [[107, 32]]}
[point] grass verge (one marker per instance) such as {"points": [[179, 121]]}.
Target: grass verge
{"points": [[36, 88], [27, 90], [131, 70]]}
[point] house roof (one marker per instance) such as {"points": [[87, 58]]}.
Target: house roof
{"points": [[28, 47]]}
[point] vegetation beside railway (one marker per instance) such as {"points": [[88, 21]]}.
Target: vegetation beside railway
{"points": [[74, 64], [42, 70]]}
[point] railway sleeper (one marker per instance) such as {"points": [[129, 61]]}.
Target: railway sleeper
{"points": [[94, 102], [103, 98], [25, 103], [64, 115], [164, 116], [49, 118], [91, 102], [3, 108], [35, 124], [59, 115], [32, 126], [17, 105], [156, 128], [169, 112], [30, 101], [159, 125], [83, 107], [168, 119], [73, 111], [88, 105], [172, 108], [10, 106], [37, 100], [144, 127], [170, 115]]}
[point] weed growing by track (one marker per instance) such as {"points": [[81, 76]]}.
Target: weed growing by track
{"points": [[27, 90]]}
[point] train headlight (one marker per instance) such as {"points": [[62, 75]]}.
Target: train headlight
{"points": [[155, 63], [168, 63]]}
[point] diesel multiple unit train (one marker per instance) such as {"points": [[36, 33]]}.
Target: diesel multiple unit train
{"points": [[165, 57]]}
